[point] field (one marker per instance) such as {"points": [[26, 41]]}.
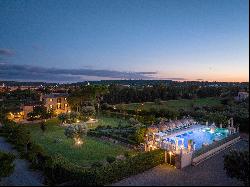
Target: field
{"points": [[54, 141], [185, 104]]}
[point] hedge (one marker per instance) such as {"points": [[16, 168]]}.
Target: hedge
{"points": [[131, 166], [58, 170], [99, 134], [6, 164]]}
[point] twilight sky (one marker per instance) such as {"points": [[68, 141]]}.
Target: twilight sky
{"points": [[71, 40]]}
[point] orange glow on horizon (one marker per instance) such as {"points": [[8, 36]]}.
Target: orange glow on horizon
{"points": [[237, 77]]}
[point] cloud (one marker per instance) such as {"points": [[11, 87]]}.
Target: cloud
{"points": [[35, 73], [177, 79], [6, 52]]}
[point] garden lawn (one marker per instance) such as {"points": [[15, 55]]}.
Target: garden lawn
{"points": [[185, 104], [111, 121], [91, 151]]}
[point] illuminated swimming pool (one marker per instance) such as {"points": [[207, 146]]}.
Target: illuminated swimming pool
{"points": [[199, 135]]}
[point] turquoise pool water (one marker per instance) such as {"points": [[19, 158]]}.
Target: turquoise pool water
{"points": [[199, 135]]}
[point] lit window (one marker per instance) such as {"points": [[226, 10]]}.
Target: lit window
{"points": [[59, 106], [66, 105], [50, 106], [65, 98], [50, 99]]}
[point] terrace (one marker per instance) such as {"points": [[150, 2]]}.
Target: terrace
{"points": [[183, 138]]}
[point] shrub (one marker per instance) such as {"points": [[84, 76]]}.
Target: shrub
{"points": [[131, 166], [128, 154], [96, 164], [75, 131], [63, 117], [110, 159], [6, 164], [140, 135], [236, 165]]}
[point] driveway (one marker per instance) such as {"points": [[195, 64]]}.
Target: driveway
{"points": [[22, 175], [208, 173]]}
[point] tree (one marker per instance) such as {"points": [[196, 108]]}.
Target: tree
{"points": [[91, 93], [63, 117], [39, 112], [42, 126], [6, 164], [74, 116], [140, 135], [236, 164], [76, 132], [51, 113], [87, 112], [110, 159]]}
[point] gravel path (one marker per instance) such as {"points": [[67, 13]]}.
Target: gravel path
{"points": [[22, 175], [208, 173]]}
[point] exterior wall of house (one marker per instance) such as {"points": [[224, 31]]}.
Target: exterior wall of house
{"points": [[16, 116], [242, 96], [27, 109], [58, 104]]}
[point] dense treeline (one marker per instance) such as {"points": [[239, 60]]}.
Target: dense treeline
{"points": [[220, 114], [120, 94]]}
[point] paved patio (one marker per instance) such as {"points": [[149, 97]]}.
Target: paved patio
{"points": [[208, 173]]}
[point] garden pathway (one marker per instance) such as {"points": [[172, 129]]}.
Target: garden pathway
{"points": [[22, 175]]}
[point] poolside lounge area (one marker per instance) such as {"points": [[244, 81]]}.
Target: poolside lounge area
{"points": [[183, 138]]}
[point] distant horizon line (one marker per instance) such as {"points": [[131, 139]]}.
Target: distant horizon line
{"points": [[67, 82]]}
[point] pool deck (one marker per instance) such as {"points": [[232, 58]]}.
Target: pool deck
{"points": [[208, 173]]}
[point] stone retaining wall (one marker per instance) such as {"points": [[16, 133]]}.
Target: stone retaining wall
{"points": [[212, 152]]}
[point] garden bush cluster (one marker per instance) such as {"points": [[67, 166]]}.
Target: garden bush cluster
{"points": [[58, 170], [6, 164], [109, 134]]}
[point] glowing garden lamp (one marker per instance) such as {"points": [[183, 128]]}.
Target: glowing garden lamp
{"points": [[170, 153], [78, 142]]}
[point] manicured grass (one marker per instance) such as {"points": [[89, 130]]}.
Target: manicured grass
{"points": [[173, 104], [91, 151], [112, 121]]}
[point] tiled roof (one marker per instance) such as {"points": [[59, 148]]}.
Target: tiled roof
{"points": [[55, 95]]}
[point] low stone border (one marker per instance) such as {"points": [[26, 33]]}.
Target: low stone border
{"points": [[197, 160]]}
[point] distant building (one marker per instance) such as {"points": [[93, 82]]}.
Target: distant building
{"points": [[16, 115], [3, 88], [56, 101], [21, 113], [242, 96], [13, 88], [27, 108]]}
